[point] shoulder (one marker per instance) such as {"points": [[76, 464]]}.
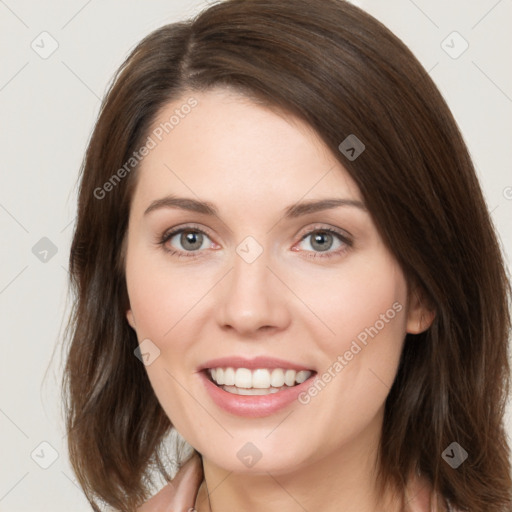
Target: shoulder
{"points": [[180, 493]]}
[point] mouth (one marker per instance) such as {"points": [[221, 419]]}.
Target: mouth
{"points": [[259, 381], [254, 387]]}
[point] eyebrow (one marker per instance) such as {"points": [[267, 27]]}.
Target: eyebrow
{"points": [[293, 211]]}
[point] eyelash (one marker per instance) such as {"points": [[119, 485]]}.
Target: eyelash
{"points": [[194, 254]]}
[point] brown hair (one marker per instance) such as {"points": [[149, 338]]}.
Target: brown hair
{"points": [[343, 72]]}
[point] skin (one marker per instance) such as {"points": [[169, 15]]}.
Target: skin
{"points": [[252, 163]]}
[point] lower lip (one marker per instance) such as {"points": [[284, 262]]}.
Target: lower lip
{"points": [[254, 406]]}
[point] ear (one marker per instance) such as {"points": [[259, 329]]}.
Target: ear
{"points": [[130, 318], [419, 315]]}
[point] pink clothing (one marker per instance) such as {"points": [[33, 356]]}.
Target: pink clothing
{"points": [[180, 495]]}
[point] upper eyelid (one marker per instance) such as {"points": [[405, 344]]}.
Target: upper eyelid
{"points": [[169, 233], [322, 227]]}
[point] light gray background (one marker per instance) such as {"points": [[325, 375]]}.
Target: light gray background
{"points": [[48, 108]]}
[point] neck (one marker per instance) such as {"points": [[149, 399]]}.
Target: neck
{"points": [[344, 479]]}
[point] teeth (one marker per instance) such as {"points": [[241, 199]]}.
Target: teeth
{"points": [[302, 376], [252, 391], [289, 377], [277, 378], [260, 379], [229, 377], [243, 378]]}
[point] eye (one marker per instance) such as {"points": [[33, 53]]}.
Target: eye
{"points": [[185, 240], [320, 242], [328, 241]]}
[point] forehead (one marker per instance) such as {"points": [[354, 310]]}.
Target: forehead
{"points": [[228, 148]]}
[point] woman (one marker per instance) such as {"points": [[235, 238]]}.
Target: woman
{"points": [[335, 335]]}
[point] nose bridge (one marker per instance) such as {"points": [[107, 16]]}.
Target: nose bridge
{"points": [[251, 275], [253, 297]]}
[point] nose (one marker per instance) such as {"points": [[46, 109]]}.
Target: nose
{"points": [[252, 299]]}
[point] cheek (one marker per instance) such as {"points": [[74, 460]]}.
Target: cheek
{"points": [[365, 307], [160, 296], [361, 305], [160, 300]]}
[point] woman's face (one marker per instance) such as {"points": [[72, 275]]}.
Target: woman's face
{"points": [[273, 274]]}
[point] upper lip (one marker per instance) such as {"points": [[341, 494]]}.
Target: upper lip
{"points": [[251, 364]]}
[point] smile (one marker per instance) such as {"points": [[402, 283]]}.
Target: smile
{"points": [[261, 381]]}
